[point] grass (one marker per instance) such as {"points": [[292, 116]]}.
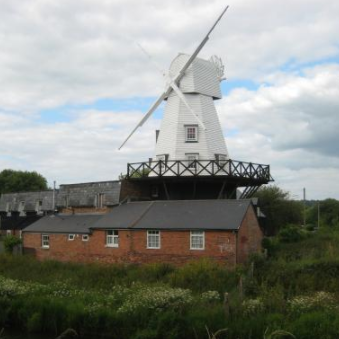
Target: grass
{"points": [[294, 291]]}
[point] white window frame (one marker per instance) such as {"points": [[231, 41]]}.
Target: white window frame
{"points": [[190, 161], [153, 239], [191, 133], [85, 237], [221, 159], [8, 232], [45, 240], [71, 237], [112, 238], [197, 235]]}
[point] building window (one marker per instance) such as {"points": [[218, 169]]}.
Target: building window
{"points": [[221, 159], [38, 205], [191, 133], [99, 200], [191, 161], [21, 206], [197, 240], [71, 237], [8, 232], [153, 239], [8, 207], [112, 238], [85, 237], [45, 241]]}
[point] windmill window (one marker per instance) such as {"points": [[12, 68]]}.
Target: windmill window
{"points": [[197, 240], [192, 161], [191, 133], [153, 239], [221, 159], [45, 241], [112, 238]]}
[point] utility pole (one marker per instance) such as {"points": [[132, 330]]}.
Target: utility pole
{"points": [[318, 214], [304, 196]]}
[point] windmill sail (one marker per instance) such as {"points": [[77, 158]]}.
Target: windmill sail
{"points": [[175, 81]]}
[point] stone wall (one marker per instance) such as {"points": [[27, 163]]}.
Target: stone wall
{"points": [[85, 197]]}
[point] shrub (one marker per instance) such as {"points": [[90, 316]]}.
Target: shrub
{"points": [[290, 234], [10, 242]]}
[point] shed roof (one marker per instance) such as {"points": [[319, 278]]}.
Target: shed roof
{"points": [[178, 215], [64, 223]]}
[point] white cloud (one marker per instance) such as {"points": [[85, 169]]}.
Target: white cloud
{"points": [[291, 125], [56, 53]]}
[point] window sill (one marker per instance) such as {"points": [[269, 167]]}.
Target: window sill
{"points": [[191, 141], [153, 248], [197, 249], [112, 246]]}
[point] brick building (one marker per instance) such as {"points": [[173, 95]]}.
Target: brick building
{"points": [[226, 231]]}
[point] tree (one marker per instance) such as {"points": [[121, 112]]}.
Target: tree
{"points": [[329, 213], [278, 208], [21, 181]]}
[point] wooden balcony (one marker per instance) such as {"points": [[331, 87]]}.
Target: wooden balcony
{"points": [[227, 169]]}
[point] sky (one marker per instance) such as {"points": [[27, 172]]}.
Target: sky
{"points": [[74, 83]]}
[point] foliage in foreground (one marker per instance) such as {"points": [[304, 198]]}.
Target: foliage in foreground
{"points": [[10, 242], [294, 291]]}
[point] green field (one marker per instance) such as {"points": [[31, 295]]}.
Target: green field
{"points": [[295, 289]]}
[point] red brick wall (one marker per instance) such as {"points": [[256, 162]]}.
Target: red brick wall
{"points": [[249, 237], [220, 246], [175, 248], [79, 210]]}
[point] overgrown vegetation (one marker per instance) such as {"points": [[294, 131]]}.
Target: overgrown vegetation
{"points": [[10, 242], [294, 290]]}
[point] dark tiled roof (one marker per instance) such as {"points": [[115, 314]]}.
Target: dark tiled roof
{"points": [[183, 214], [17, 223], [64, 223]]}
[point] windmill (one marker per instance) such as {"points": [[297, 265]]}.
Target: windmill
{"points": [[191, 160], [190, 117]]}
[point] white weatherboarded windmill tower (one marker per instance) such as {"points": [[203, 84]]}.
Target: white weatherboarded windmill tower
{"points": [[190, 128], [191, 159]]}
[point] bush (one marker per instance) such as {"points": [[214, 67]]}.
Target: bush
{"points": [[10, 242], [289, 234]]}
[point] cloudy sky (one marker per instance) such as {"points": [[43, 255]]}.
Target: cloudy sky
{"points": [[73, 83]]}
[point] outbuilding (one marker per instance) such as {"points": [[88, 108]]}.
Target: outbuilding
{"points": [[176, 232]]}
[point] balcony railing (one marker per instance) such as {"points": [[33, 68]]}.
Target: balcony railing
{"points": [[199, 168]]}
